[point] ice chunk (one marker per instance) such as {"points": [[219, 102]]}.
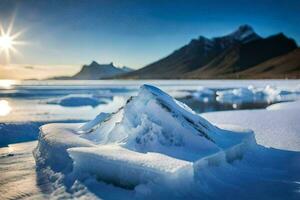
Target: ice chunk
{"points": [[129, 168], [152, 137], [54, 140], [203, 92], [235, 95], [154, 121], [87, 127]]}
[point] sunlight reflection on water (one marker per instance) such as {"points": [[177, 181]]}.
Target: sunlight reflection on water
{"points": [[5, 108], [7, 84]]}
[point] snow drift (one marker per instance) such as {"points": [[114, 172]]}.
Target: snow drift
{"points": [[152, 138]]}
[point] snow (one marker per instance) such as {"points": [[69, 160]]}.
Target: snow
{"points": [[18, 179], [277, 127], [152, 136], [285, 106], [243, 33], [70, 157]]}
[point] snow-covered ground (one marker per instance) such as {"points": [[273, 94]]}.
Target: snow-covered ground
{"points": [[278, 128], [18, 178], [165, 157]]}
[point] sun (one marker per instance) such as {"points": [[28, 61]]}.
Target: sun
{"points": [[6, 42], [9, 41]]}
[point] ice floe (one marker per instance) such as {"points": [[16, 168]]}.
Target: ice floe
{"points": [[203, 93], [258, 94], [79, 100]]}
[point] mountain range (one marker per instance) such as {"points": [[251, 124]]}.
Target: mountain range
{"points": [[240, 54]]}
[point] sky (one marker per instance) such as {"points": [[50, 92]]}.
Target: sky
{"points": [[62, 35]]}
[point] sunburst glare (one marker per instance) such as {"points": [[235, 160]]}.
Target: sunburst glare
{"points": [[9, 41]]}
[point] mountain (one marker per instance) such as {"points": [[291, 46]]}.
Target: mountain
{"points": [[287, 65], [99, 71], [217, 57], [244, 56], [194, 55]]}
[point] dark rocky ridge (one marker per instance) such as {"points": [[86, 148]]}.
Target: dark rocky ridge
{"points": [[220, 57]]}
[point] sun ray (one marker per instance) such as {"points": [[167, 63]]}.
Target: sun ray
{"points": [[13, 49], [1, 30], [16, 52], [20, 43], [11, 25], [16, 35]]}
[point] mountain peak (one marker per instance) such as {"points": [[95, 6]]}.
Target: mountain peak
{"points": [[245, 27], [94, 63], [99, 71], [244, 33]]}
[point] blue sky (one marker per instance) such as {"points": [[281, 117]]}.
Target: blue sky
{"points": [[134, 32]]}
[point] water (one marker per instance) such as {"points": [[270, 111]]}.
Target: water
{"points": [[22, 101], [202, 106]]}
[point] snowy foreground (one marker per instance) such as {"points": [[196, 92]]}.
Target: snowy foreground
{"points": [[157, 147]]}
